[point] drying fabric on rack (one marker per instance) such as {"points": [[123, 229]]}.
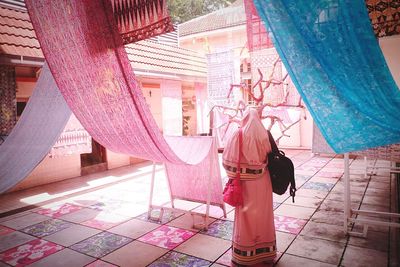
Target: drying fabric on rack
{"points": [[222, 129], [193, 182], [41, 123], [94, 75], [220, 75], [333, 58]]}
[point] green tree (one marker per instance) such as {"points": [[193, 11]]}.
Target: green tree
{"points": [[184, 10]]}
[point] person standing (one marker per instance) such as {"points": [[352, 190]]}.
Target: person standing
{"points": [[254, 239]]}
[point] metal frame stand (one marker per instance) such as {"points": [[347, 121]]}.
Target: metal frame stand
{"points": [[200, 226], [372, 170], [349, 212]]}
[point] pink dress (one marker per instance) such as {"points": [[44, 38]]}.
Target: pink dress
{"points": [[254, 238]]}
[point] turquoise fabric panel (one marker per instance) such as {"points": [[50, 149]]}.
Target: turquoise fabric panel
{"points": [[334, 59]]}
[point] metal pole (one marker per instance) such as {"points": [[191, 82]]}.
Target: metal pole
{"points": [[209, 191], [153, 174], [347, 199]]}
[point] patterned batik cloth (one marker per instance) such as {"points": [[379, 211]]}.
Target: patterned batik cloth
{"points": [[111, 107], [335, 61], [141, 19], [254, 238]]}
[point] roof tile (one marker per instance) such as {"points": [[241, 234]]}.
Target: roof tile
{"points": [[233, 15], [17, 37]]}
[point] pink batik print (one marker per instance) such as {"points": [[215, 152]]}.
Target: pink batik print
{"points": [[29, 252], [112, 94], [289, 224], [167, 237], [58, 211]]}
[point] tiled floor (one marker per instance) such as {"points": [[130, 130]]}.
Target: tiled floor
{"points": [[101, 220]]}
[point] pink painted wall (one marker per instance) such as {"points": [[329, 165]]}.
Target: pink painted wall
{"points": [[52, 170]]}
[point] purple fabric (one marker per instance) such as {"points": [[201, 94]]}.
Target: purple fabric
{"points": [[37, 130], [83, 48]]}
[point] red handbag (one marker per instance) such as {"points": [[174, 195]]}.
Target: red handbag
{"points": [[233, 188]]}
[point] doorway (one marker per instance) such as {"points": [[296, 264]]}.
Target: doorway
{"points": [[95, 161]]}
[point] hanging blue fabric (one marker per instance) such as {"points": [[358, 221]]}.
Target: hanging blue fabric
{"points": [[333, 57]]}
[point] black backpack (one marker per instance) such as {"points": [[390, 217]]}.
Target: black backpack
{"points": [[281, 170]]}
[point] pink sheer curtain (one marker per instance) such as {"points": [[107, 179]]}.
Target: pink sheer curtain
{"points": [[193, 182]]}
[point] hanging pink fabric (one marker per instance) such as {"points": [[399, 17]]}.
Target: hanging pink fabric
{"points": [[141, 19], [193, 182], [85, 52]]}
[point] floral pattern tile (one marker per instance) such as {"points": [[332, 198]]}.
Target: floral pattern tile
{"points": [[220, 228], [58, 211], [168, 216], [47, 227], [175, 259], [108, 205], [226, 259], [5, 230], [100, 263], [101, 244], [29, 252], [289, 224], [167, 237], [318, 186]]}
